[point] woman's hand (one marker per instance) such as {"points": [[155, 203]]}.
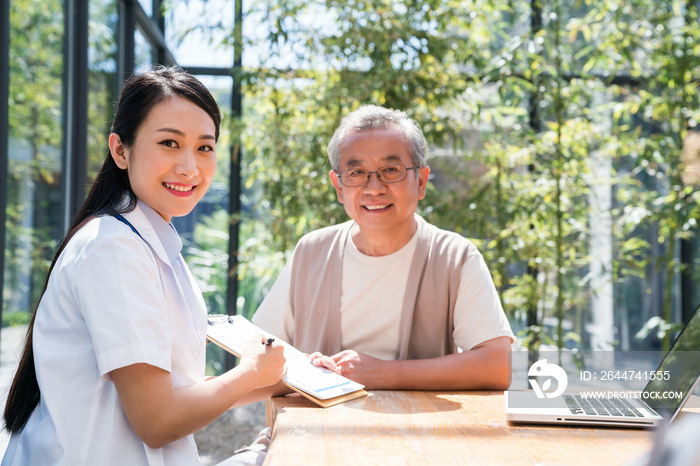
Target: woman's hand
{"points": [[265, 364]]}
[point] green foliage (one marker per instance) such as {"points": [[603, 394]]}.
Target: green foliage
{"points": [[208, 258], [36, 67], [284, 144], [397, 55], [660, 45], [259, 265], [513, 102], [413, 57], [35, 129], [16, 318], [102, 53], [517, 104], [661, 326]]}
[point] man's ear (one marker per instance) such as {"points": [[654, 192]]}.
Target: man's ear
{"points": [[336, 183], [422, 173], [118, 151]]}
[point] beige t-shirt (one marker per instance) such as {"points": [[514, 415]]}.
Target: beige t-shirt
{"points": [[371, 300]]}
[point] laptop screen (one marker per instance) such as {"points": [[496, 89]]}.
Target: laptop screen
{"points": [[679, 371]]}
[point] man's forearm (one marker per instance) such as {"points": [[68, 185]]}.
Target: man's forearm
{"points": [[470, 370], [484, 367]]}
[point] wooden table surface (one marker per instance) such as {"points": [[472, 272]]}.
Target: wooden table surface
{"points": [[435, 428]]}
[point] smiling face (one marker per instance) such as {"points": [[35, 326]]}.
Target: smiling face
{"points": [[173, 159], [381, 210]]}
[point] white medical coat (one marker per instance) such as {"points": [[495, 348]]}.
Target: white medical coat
{"points": [[113, 300]]}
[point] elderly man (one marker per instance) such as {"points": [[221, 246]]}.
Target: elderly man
{"points": [[387, 299]]}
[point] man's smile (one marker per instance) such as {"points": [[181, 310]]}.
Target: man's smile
{"points": [[377, 207]]}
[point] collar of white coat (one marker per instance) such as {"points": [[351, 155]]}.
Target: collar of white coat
{"points": [[160, 235]]}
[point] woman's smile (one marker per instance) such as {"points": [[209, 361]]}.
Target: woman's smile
{"points": [[180, 189]]}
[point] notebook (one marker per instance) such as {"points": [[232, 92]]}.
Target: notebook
{"points": [[663, 397], [318, 384]]}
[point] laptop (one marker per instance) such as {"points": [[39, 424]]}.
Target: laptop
{"points": [[674, 381]]}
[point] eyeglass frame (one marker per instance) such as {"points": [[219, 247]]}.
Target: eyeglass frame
{"points": [[379, 177]]}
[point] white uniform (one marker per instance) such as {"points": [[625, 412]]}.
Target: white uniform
{"points": [[113, 300]]}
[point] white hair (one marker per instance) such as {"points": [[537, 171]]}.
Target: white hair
{"points": [[371, 117]]}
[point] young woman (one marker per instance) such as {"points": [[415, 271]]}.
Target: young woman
{"points": [[113, 367]]}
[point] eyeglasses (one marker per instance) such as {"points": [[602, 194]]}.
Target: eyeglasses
{"points": [[356, 177]]}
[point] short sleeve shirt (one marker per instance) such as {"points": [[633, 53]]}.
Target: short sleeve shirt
{"points": [[113, 299], [371, 283]]}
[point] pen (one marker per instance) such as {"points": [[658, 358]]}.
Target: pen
{"points": [[269, 341]]}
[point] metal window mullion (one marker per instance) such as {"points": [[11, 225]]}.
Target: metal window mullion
{"points": [[688, 283], [158, 17], [235, 174], [4, 130], [687, 254], [158, 20], [152, 32], [75, 109], [235, 171], [126, 42], [211, 71], [535, 125]]}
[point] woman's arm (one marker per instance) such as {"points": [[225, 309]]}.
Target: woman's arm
{"points": [[160, 413], [279, 389]]}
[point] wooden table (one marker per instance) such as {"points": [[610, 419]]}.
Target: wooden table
{"points": [[435, 428]]}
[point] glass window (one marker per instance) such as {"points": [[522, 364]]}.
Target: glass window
{"points": [[143, 51], [205, 24], [35, 136], [102, 80], [147, 6]]}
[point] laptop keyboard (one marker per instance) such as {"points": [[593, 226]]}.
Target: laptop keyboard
{"points": [[601, 406]]}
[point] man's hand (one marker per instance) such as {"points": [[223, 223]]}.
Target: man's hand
{"points": [[319, 360], [360, 368], [355, 366]]}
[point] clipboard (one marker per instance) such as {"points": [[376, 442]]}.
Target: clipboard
{"points": [[318, 384]]}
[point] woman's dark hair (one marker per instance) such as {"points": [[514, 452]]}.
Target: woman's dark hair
{"points": [[140, 94]]}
